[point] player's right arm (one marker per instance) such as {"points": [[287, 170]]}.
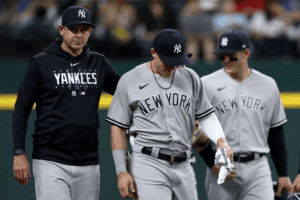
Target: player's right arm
{"points": [[23, 106], [119, 147]]}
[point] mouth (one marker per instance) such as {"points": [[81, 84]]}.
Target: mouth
{"points": [[78, 42], [169, 68]]}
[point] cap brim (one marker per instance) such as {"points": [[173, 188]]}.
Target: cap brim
{"points": [[79, 23], [226, 51], [175, 60]]}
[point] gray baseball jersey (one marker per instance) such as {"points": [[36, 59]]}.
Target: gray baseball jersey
{"points": [[246, 110], [162, 118]]}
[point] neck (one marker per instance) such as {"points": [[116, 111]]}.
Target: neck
{"points": [[70, 51]]}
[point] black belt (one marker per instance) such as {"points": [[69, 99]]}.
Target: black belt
{"points": [[173, 159], [246, 157]]}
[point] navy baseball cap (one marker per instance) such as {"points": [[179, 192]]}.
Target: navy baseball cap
{"points": [[170, 47], [75, 15], [232, 42]]}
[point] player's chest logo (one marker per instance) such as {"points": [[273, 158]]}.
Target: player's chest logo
{"points": [[243, 102], [142, 86], [171, 100], [78, 80]]}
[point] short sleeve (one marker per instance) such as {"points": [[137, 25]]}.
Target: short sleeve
{"points": [[278, 116], [203, 106], [119, 112]]}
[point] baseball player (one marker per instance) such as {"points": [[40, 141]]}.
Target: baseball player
{"points": [[249, 108], [159, 102], [65, 81]]}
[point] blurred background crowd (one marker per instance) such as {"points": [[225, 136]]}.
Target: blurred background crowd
{"points": [[126, 28]]}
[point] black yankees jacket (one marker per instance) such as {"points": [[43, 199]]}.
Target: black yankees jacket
{"points": [[67, 91]]}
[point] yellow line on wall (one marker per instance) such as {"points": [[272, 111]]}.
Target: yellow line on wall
{"points": [[290, 100], [7, 101]]}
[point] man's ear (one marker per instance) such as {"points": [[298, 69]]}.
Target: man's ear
{"points": [[60, 28], [247, 53], [153, 52]]}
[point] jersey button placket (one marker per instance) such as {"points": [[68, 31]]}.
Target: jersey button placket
{"points": [[242, 138], [167, 116]]}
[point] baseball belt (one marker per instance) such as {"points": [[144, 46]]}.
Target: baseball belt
{"points": [[173, 159], [246, 157]]}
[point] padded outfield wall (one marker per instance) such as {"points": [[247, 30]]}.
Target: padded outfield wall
{"points": [[286, 73]]}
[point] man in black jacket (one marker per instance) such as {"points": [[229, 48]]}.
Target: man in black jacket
{"points": [[65, 81]]}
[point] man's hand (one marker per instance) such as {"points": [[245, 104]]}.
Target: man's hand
{"points": [[21, 168], [296, 184], [232, 175], [224, 157], [125, 181], [222, 143], [284, 182]]}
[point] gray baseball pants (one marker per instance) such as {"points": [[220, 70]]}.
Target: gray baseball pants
{"points": [[254, 182], [158, 179], [55, 181]]}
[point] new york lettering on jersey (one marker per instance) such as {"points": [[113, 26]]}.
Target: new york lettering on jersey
{"points": [[174, 100], [231, 103]]}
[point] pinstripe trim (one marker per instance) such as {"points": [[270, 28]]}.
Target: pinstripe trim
{"points": [[116, 123], [278, 123], [205, 113]]}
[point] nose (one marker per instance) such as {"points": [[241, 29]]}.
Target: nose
{"points": [[226, 58], [169, 66], [79, 33]]}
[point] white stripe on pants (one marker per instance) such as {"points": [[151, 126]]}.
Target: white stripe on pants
{"points": [[55, 181]]}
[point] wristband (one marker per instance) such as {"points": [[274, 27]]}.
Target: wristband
{"points": [[19, 152], [119, 156]]}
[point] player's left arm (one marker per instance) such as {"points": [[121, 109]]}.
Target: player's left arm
{"points": [[212, 127], [200, 140], [296, 183], [208, 120], [276, 141], [202, 144], [224, 154]]}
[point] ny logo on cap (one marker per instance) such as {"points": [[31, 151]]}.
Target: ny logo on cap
{"points": [[177, 48], [81, 13], [224, 41]]}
